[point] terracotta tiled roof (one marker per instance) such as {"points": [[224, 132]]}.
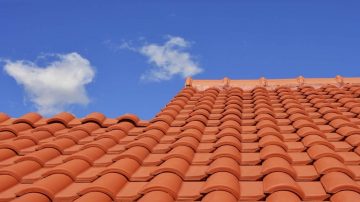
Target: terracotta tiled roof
{"points": [[214, 141]]}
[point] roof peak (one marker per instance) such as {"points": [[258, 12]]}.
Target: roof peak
{"points": [[270, 83]]}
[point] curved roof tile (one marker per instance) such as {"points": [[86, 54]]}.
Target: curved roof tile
{"points": [[216, 140]]}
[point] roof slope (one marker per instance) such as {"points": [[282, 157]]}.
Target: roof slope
{"points": [[210, 143]]}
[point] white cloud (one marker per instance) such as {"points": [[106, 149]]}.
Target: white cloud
{"points": [[169, 59], [56, 86]]}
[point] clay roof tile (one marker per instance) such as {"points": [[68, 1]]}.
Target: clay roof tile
{"points": [[63, 117], [3, 117], [279, 181], [222, 181], [29, 118], [129, 117], [216, 140], [166, 182], [283, 196], [105, 184], [160, 196], [224, 164], [215, 196], [345, 196], [334, 182], [230, 124], [94, 196]]}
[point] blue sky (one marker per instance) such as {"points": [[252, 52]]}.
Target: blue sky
{"points": [[115, 45]]}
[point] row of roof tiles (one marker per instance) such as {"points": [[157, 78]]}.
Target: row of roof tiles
{"points": [[271, 83]]}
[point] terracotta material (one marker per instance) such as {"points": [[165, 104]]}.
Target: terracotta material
{"points": [[89, 155], [262, 117], [334, 182], [20, 169], [233, 117], [166, 182], [102, 143], [345, 196], [124, 126], [62, 117], [198, 125], [348, 130], [191, 133], [41, 156], [228, 140], [88, 127], [29, 118], [124, 166], [32, 197], [283, 196], [16, 128], [38, 135], [6, 153], [137, 153], [215, 196], [183, 152], [3, 117], [171, 112], [160, 125], [7, 182], [227, 151], [59, 144], [206, 106], [311, 140], [278, 164], [328, 164], [231, 124], [152, 133], [263, 140], [274, 151], [106, 185], [200, 112], [129, 118], [177, 166], [354, 140], [304, 123], [272, 140], [115, 135], [146, 142], [94, 197], [304, 131], [229, 132], [48, 186], [71, 168], [222, 181], [198, 117], [160, 196], [96, 117], [224, 164], [318, 151], [17, 145], [279, 181], [187, 141], [164, 117]]}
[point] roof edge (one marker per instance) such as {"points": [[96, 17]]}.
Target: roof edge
{"points": [[270, 83]]}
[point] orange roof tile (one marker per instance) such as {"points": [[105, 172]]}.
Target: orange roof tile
{"points": [[216, 140]]}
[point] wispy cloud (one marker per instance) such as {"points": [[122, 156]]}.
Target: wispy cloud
{"points": [[168, 60], [55, 86]]}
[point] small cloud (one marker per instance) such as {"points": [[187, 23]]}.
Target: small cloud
{"points": [[127, 45], [55, 86], [168, 60]]}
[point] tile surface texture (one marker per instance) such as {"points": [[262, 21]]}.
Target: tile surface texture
{"points": [[285, 143]]}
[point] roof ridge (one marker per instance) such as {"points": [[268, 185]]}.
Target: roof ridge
{"points": [[269, 83]]}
